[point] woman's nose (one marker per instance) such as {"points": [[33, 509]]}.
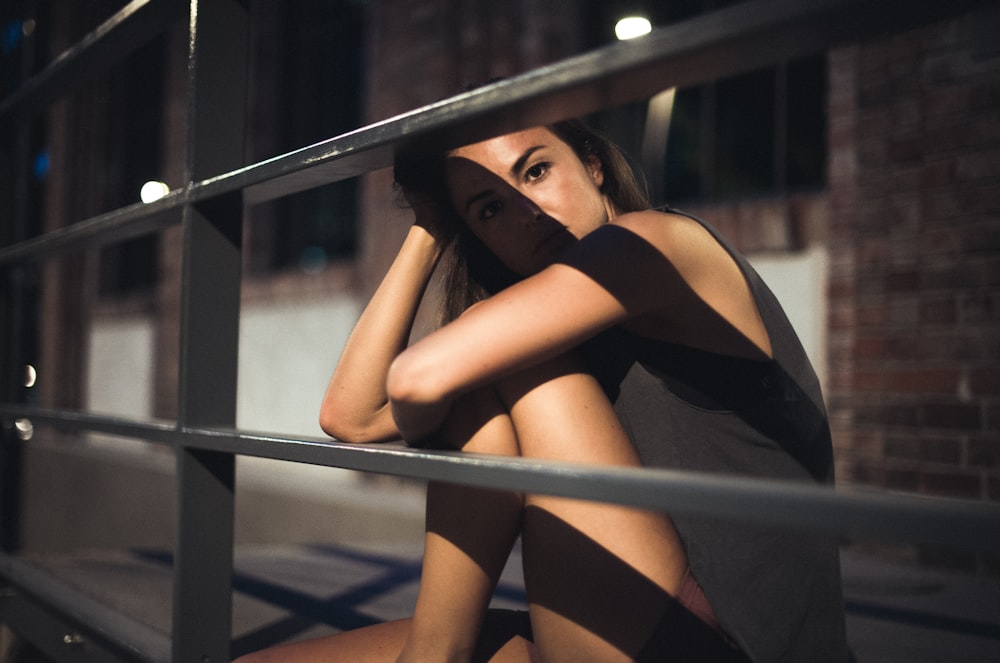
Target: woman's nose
{"points": [[529, 210]]}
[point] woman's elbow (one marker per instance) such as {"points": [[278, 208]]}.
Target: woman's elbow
{"points": [[410, 381], [346, 426]]}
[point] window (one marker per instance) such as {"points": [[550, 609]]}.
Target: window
{"points": [[306, 87], [758, 133]]}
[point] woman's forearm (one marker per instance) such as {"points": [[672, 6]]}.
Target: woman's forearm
{"points": [[355, 407]]}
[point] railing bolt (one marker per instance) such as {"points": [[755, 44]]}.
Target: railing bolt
{"points": [[73, 639]]}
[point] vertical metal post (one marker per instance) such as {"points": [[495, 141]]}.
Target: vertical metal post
{"points": [[217, 70], [15, 146], [653, 153]]}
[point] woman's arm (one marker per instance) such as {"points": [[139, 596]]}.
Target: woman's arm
{"points": [[661, 275], [355, 407]]}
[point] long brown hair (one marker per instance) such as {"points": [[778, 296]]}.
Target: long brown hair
{"points": [[473, 272]]}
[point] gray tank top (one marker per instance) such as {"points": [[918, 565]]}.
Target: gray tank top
{"points": [[776, 593]]}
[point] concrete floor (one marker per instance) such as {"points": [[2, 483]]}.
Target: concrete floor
{"points": [[895, 613], [293, 582]]}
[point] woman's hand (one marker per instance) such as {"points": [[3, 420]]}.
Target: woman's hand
{"points": [[427, 214], [356, 405]]}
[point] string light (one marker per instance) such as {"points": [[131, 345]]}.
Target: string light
{"points": [[631, 27]]}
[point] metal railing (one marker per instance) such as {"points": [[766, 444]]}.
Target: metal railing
{"points": [[210, 205]]}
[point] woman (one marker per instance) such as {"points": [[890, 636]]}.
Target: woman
{"points": [[585, 327]]}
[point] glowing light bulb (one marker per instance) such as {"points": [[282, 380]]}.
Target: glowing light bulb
{"points": [[631, 27], [153, 191], [25, 431]]}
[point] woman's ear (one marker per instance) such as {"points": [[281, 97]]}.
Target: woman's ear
{"points": [[596, 169]]}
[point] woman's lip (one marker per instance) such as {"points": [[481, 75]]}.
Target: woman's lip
{"points": [[543, 245]]}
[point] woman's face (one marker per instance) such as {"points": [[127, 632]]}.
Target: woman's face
{"points": [[526, 196]]}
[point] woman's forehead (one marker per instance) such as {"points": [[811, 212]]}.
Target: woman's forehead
{"points": [[505, 150]]}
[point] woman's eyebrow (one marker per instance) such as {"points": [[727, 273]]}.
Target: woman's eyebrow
{"points": [[485, 193], [523, 159]]}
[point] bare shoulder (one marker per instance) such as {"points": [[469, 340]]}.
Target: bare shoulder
{"points": [[681, 239]]}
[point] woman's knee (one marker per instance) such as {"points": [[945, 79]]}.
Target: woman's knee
{"points": [[479, 422]]}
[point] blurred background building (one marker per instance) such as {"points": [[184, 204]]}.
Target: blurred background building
{"points": [[864, 183]]}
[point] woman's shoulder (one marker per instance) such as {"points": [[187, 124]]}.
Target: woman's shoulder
{"points": [[681, 238]]}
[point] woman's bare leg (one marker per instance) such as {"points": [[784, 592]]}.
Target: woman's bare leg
{"points": [[470, 532], [382, 643], [599, 576]]}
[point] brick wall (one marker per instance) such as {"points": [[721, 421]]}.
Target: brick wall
{"points": [[914, 195], [419, 53]]}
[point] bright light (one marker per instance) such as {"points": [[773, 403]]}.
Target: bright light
{"points": [[631, 27], [30, 376], [25, 430], [153, 191]]}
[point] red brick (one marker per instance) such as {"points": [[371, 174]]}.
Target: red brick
{"points": [[868, 443], [984, 452], [985, 97], [947, 484], [991, 271], [982, 237], [955, 416], [871, 315], [953, 275], [947, 345], [940, 241], [942, 310], [941, 68], [903, 448], [868, 381], [904, 311], [907, 280], [985, 380], [843, 288], [893, 479], [983, 166], [984, 128], [899, 414], [978, 308], [908, 148], [905, 211], [948, 101], [942, 450], [947, 137], [870, 347], [993, 488], [841, 317], [927, 381], [873, 250], [838, 379], [839, 348], [940, 173], [958, 202]]}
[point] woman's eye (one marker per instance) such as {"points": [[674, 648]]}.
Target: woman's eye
{"points": [[536, 172], [489, 210]]}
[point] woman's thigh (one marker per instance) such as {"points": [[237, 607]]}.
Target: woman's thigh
{"points": [[505, 638], [598, 575]]}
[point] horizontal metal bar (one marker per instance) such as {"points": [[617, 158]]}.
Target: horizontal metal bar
{"points": [[721, 43], [135, 640], [862, 513], [128, 29], [73, 421], [115, 226]]}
